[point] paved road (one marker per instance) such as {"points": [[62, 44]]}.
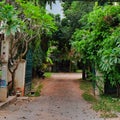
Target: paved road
{"points": [[60, 100]]}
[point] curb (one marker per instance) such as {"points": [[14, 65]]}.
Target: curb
{"points": [[9, 100]]}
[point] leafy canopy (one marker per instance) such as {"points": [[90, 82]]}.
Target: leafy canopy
{"points": [[99, 40]]}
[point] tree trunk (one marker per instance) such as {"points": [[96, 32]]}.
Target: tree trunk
{"points": [[70, 66], [12, 89], [93, 80], [106, 86], [84, 72], [118, 90]]}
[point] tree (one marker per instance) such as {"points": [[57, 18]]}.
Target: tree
{"points": [[98, 42], [42, 3], [22, 28], [73, 11]]}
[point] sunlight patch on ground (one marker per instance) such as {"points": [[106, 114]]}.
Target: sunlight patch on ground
{"points": [[70, 76]]}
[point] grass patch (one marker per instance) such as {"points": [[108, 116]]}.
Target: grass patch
{"points": [[108, 115], [38, 90], [32, 86], [88, 97], [35, 92], [86, 86], [47, 74], [106, 105], [78, 71]]}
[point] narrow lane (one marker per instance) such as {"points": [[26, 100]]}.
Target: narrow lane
{"points": [[60, 100]]}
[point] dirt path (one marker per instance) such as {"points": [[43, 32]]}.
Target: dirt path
{"points": [[60, 100]]}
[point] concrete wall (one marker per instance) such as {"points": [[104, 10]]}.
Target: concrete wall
{"points": [[99, 88], [20, 77]]}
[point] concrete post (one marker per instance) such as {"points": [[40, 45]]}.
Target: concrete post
{"points": [[99, 88], [4, 77], [20, 78]]}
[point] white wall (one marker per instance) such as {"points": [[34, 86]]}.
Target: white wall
{"points": [[99, 82], [20, 76]]}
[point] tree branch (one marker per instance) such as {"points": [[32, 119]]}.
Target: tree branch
{"points": [[26, 45]]}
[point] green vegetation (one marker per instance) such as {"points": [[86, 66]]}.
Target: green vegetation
{"points": [[62, 53], [87, 88], [88, 97], [87, 35], [47, 74], [79, 71], [106, 105], [38, 90], [98, 42], [25, 23]]}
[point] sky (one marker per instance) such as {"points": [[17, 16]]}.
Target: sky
{"points": [[56, 8]]}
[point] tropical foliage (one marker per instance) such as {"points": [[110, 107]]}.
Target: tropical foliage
{"points": [[93, 34], [23, 22], [73, 12], [99, 41]]}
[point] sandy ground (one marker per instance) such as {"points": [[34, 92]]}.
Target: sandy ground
{"points": [[60, 100]]}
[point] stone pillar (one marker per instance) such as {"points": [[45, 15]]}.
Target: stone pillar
{"points": [[4, 77], [99, 88], [20, 78]]}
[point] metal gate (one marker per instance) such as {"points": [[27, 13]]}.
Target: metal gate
{"points": [[28, 75]]}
